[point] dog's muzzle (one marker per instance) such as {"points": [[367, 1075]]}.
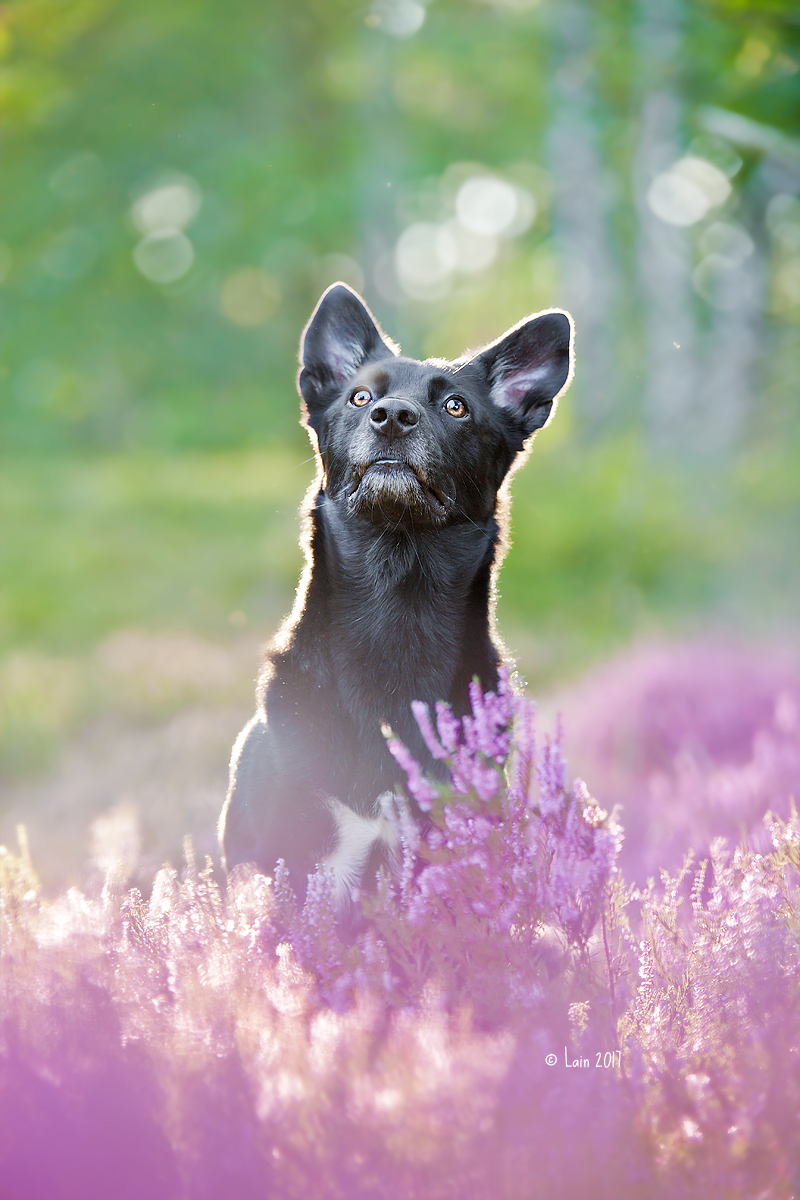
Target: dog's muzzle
{"points": [[393, 491]]}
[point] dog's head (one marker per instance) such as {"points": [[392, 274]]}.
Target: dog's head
{"points": [[424, 443]]}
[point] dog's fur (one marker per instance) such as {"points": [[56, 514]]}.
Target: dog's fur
{"points": [[405, 529]]}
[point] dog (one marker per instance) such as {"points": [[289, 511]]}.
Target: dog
{"points": [[404, 530]]}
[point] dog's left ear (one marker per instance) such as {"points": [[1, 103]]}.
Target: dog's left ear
{"points": [[340, 335], [529, 367]]}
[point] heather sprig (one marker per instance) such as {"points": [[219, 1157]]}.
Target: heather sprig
{"points": [[421, 788], [494, 848]]}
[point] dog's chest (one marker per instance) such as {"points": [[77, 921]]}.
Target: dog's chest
{"points": [[396, 644]]}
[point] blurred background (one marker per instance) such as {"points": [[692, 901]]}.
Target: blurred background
{"points": [[181, 182]]}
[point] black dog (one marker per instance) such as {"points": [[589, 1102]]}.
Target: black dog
{"points": [[404, 535]]}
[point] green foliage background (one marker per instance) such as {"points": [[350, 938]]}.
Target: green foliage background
{"points": [[153, 459]]}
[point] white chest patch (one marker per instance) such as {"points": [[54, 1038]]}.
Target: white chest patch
{"points": [[356, 837]]}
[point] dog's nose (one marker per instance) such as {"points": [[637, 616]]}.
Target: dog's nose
{"points": [[394, 418]]}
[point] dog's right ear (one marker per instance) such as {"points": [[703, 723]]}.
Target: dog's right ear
{"points": [[341, 335]]}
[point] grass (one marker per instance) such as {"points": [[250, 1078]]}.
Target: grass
{"points": [[605, 546], [150, 541], [197, 544]]}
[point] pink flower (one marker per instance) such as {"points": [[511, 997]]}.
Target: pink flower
{"points": [[420, 787]]}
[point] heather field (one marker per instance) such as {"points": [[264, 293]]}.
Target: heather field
{"points": [[509, 1015]]}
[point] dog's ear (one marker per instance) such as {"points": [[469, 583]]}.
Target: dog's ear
{"points": [[340, 335], [529, 366]]}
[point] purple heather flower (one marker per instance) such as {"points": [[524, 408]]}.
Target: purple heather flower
{"points": [[487, 727], [396, 811], [524, 752], [448, 726], [551, 772], [423, 718], [420, 787]]}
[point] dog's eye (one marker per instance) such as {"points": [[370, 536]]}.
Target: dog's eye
{"points": [[361, 397], [456, 407]]}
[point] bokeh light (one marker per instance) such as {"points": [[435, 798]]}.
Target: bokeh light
{"points": [[169, 206], [249, 297], [686, 193], [164, 255]]}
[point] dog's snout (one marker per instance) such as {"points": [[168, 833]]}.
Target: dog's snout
{"points": [[394, 418]]}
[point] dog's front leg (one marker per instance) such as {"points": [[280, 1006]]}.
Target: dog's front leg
{"points": [[272, 812]]}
